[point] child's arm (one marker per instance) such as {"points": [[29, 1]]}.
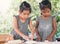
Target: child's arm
{"points": [[17, 30], [37, 33], [54, 30], [32, 29]]}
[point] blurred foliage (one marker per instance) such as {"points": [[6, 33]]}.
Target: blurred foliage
{"points": [[58, 30], [6, 20], [58, 18]]}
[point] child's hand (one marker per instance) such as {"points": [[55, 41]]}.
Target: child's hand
{"points": [[31, 37], [38, 38], [49, 38], [25, 37]]}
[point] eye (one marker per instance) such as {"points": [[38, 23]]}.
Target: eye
{"points": [[24, 13], [44, 11], [48, 11]]}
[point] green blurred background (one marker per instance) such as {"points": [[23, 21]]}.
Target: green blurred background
{"points": [[9, 8]]}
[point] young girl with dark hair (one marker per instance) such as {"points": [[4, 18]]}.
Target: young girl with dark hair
{"points": [[45, 24], [21, 23]]}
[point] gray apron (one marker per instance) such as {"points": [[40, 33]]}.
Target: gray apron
{"points": [[45, 27], [23, 27]]}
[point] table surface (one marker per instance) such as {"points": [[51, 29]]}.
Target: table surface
{"points": [[30, 42]]}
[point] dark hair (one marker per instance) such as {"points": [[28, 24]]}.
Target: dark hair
{"points": [[45, 4], [25, 6]]}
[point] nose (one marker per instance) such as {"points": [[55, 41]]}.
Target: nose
{"points": [[46, 13], [26, 15]]}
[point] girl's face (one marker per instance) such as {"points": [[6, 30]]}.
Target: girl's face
{"points": [[25, 14], [46, 12]]}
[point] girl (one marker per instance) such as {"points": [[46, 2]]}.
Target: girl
{"points": [[45, 24], [21, 23]]}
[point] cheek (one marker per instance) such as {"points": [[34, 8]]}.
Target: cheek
{"points": [[48, 13], [23, 15]]}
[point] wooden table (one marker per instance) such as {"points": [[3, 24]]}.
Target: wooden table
{"points": [[2, 42], [5, 37]]}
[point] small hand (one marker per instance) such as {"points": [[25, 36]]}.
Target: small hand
{"points": [[38, 38], [25, 37], [49, 38], [31, 37]]}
